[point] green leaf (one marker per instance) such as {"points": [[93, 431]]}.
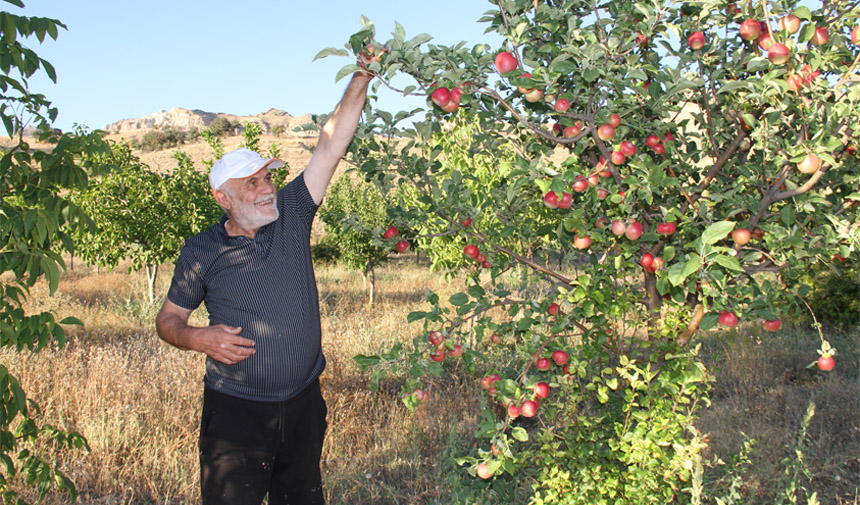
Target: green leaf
{"points": [[345, 71], [729, 262], [366, 361], [717, 231], [709, 321], [415, 316], [519, 433], [330, 51], [459, 299]]}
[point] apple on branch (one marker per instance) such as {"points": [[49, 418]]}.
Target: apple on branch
{"points": [[505, 62], [696, 41], [390, 232], [750, 30]]}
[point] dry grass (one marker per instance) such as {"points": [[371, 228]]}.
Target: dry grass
{"points": [[137, 400]]}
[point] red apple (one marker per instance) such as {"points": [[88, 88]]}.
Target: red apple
{"points": [[467, 222], [581, 242], [441, 96], [666, 229], [765, 41], [420, 395], [628, 148], [634, 230], [541, 390], [495, 338], [696, 41], [485, 264], [451, 106], [728, 318], [593, 180], [436, 338], [456, 352], [810, 164], [534, 95], [471, 251], [523, 89], [750, 30], [542, 364], [601, 195], [505, 62], [566, 200], [560, 357], [401, 246], [513, 411], [794, 82], [819, 38], [778, 54], [602, 221], [553, 309], [618, 157], [826, 363], [855, 35], [571, 131], [646, 261], [483, 471], [390, 232], [652, 141], [619, 227], [657, 264], [528, 408], [659, 149], [789, 23], [561, 105], [774, 325], [741, 236], [757, 233], [614, 120], [605, 131], [580, 184], [550, 199], [438, 355]]}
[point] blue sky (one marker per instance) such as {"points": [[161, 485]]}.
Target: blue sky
{"points": [[122, 59]]}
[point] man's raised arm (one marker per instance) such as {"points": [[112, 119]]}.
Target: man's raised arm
{"points": [[336, 135]]}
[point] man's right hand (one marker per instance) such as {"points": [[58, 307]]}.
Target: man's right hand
{"points": [[224, 343], [220, 342]]}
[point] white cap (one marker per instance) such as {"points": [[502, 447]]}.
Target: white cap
{"points": [[239, 164]]}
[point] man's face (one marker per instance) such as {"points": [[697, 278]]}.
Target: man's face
{"points": [[252, 200]]}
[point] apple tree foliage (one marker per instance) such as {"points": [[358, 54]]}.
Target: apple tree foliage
{"points": [[36, 220], [654, 174]]}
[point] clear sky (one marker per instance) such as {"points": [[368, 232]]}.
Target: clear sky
{"points": [[125, 58]]}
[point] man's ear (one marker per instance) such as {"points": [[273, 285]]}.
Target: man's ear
{"points": [[222, 198]]}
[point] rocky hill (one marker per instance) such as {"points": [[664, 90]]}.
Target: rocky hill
{"points": [[185, 119]]}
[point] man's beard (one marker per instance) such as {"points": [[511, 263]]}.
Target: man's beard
{"points": [[250, 216]]}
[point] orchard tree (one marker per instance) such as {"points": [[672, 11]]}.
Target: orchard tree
{"points": [[679, 160], [143, 216], [35, 215], [355, 217]]}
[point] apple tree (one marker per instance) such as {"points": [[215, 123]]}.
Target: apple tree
{"points": [[659, 169]]}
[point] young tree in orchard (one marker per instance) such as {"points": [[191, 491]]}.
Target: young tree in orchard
{"points": [[680, 162], [35, 215], [143, 216], [355, 216]]}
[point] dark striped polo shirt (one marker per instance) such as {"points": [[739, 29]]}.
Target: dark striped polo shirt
{"points": [[266, 285]]}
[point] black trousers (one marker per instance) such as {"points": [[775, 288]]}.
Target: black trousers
{"points": [[249, 449]]}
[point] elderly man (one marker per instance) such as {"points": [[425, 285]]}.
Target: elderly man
{"points": [[264, 417]]}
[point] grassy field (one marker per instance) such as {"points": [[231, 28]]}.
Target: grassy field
{"points": [[137, 400]]}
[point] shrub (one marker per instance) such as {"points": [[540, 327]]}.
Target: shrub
{"points": [[325, 251], [220, 126]]}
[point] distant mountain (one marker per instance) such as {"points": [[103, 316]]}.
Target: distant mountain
{"points": [[184, 119]]}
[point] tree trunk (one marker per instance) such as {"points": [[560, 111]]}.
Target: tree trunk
{"points": [[654, 300], [371, 274], [151, 274]]}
